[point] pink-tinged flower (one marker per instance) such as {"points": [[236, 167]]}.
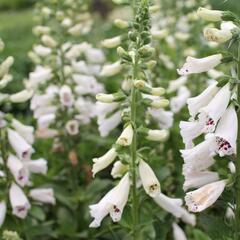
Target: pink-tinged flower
{"points": [[19, 202], [202, 198], [44, 195]]}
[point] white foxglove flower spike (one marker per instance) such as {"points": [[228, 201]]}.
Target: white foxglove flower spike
{"points": [[19, 202], [199, 65], [149, 180], [202, 198]]}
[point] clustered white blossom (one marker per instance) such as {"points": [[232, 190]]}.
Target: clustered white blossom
{"points": [[65, 77], [213, 115], [16, 164]]}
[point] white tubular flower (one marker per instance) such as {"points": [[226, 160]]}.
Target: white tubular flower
{"points": [[174, 85], [178, 102], [40, 30], [41, 111], [158, 135], [5, 65], [204, 197], [229, 212], [119, 169], [196, 103], [163, 118], [3, 211], [149, 180], [18, 170], [112, 203], [195, 179], [125, 139], [174, 206], [7, 78], [72, 127], [105, 98], [22, 96], [46, 120], [228, 26], [178, 233], [189, 131], [226, 133], [199, 157], [42, 51], [20, 146], [232, 167], [95, 56], [19, 202], [156, 103], [27, 132], [216, 35], [111, 69], [111, 42], [44, 195], [199, 65], [211, 113], [66, 96], [159, 34], [215, 74], [37, 166], [210, 15], [104, 161], [48, 41]]}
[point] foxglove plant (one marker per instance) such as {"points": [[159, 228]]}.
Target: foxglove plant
{"points": [[65, 78], [132, 164], [214, 113], [16, 164]]}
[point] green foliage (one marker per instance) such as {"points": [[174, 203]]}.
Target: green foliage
{"points": [[15, 4]]}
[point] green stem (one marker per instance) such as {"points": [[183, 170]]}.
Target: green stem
{"points": [[134, 157], [237, 212]]}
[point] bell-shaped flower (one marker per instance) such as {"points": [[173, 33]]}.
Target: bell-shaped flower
{"points": [[104, 161], [217, 35], [66, 96], [3, 211], [42, 51], [199, 65], [199, 157], [210, 114], [202, 198], [119, 169], [174, 85], [178, 102], [196, 103], [37, 166], [111, 42], [18, 170], [112, 203], [149, 180], [226, 133], [72, 127], [44, 195], [195, 179], [46, 120], [19, 145], [27, 132], [164, 118], [189, 131], [210, 15], [125, 139], [19, 202], [22, 96], [111, 69], [174, 206], [178, 233]]}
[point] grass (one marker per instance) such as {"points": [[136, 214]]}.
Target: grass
{"points": [[16, 32]]}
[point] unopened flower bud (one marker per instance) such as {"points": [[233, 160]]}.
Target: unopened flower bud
{"points": [[48, 41], [210, 15], [109, 98], [22, 96], [158, 103], [4, 67], [144, 87]]}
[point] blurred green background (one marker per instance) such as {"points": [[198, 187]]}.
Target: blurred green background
{"points": [[16, 21]]}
